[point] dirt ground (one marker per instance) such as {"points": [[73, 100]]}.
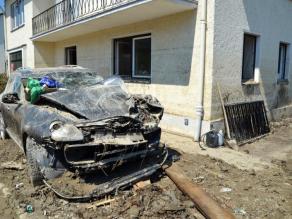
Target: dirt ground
{"points": [[249, 193]]}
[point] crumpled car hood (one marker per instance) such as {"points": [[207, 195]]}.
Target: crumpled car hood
{"points": [[96, 102]]}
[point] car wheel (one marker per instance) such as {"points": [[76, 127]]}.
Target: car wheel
{"points": [[34, 171], [3, 133]]}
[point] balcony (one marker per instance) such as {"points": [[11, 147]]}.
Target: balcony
{"points": [[79, 17]]}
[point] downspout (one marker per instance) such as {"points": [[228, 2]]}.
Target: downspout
{"points": [[199, 108], [5, 38]]}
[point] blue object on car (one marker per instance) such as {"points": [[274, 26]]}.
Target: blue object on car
{"points": [[50, 82]]}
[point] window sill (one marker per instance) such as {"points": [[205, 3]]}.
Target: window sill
{"points": [[250, 82], [136, 80], [283, 81], [16, 28]]}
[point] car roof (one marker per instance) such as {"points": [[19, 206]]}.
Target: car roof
{"points": [[27, 72]]}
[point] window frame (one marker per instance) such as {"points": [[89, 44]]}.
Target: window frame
{"points": [[134, 39], [255, 60], [17, 13], [132, 76], [283, 76], [13, 52]]}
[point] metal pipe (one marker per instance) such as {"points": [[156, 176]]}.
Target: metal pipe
{"points": [[199, 108], [203, 202]]}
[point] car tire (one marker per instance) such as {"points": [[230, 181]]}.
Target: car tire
{"points": [[3, 133], [34, 170]]}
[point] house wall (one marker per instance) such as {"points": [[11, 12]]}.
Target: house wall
{"points": [[40, 5], [2, 44], [271, 21], [19, 39], [175, 48]]}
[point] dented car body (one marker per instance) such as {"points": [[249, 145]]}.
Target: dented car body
{"points": [[88, 124]]}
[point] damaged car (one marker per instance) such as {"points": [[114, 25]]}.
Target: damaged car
{"points": [[81, 123]]}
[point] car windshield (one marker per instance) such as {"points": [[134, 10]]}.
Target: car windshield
{"points": [[77, 79], [72, 79]]}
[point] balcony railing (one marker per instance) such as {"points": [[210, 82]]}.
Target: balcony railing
{"points": [[68, 11]]}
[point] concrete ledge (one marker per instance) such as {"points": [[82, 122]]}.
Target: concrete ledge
{"points": [[282, 113], [186, 126]]}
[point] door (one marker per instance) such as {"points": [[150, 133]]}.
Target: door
{"points": [[71, 55], [12, 107]]}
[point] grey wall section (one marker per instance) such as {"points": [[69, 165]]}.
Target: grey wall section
{"points": [[2, 45], [271, 21]]}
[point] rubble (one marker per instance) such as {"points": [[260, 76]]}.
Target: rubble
{"points": [[161, 199], [11, 165]]}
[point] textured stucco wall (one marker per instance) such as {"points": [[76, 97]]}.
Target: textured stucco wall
{"points": [[21, 37], [44, 54], [172, 58], [271, 21], [40, 5]]}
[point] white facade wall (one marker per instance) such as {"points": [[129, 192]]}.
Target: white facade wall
{"points": [[271, 21], [19, 39], [174, 62]]}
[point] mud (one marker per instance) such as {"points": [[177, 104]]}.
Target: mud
{"points": [[254, 194]]}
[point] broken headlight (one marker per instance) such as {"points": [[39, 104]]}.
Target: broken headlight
{"points": [[65, 132]]}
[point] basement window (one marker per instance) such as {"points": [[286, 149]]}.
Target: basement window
{"points": [[17, 14], [282, 62], [15, 60], [132, 58], [71, 55], [249, 58]]}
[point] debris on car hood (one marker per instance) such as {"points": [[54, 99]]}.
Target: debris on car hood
{"points": [[100, 102]]}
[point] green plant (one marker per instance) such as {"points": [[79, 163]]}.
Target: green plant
{"points": [[3, 81]]}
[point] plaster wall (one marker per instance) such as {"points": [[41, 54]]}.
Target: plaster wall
{"points": [[271, 21], [172, 50], [40, 6]]}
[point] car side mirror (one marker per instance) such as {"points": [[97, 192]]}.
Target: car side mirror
{"points": [[10, 98]]}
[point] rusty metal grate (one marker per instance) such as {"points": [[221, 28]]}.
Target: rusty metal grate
{"points": [[247, 120]]}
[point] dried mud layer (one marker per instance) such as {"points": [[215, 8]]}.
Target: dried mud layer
{"points": [[261, 194]]}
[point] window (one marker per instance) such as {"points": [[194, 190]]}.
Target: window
{"points": [[15, 60], [133, 57], [17, 14], [249, 57], [71, 55], [282, 62]]}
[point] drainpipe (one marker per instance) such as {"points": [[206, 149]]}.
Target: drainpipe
{"points": [[5, 38], [199, 107]]}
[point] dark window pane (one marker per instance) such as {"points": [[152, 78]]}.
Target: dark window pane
{"points": [[17, 14], [71, 55], [15, 60], [124, 57], [282, 61], [142, 57], [249, 53]]}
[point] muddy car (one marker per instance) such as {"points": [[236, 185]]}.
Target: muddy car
{"points": [[85, 124]]}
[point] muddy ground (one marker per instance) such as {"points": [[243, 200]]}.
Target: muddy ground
{"points": [[263, 193]]}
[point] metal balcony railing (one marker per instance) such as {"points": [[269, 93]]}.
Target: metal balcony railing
{"points": [[68, 11]]}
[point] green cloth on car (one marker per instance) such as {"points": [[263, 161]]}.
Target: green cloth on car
{"points": [[35, 89]]}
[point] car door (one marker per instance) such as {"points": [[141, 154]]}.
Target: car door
{"points": [[11, 108]]}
